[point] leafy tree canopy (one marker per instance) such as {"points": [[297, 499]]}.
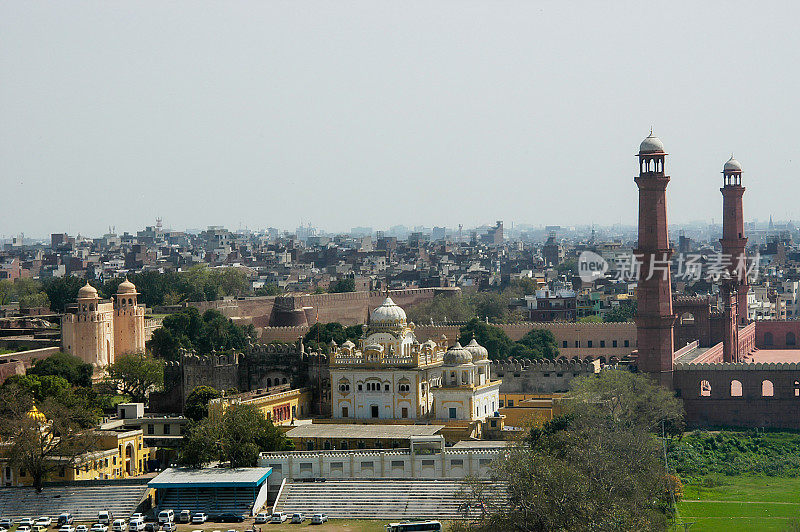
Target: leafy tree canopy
{"points": [[70, 367], [496, 342], [343, 285], [623, 312], [236, 438], [321, 334], [136, 375], [189, 330], [197, 403]]}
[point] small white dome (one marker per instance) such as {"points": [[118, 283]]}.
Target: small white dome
{"points": [[348, 344], [457, 355], [479, 353], [651, 144], [126, 287], [388, 314], [732, 165]]}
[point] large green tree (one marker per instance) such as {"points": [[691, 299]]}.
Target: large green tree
{"points": [[496, 342], [62, 291], [42, 446], [70, 367], [537, 343], [235, 438], [320, 335], [598, 467], [136, 375], [189, 330], [196, 407]]}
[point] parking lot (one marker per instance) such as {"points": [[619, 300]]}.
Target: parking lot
{"points": [[331, 526]]}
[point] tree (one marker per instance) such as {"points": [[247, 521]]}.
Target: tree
{"points": [[137, 375], [320, 335], [598, 467], [269, 290], [62, 291], [70, 367], [496, 342], [624, 312], [197, 403], [189, 330], [343, 285], [41, 447], [236, 437], [537, 343]]}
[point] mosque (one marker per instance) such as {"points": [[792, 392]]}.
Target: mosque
{"points": [[96, 330], [392, 376]]}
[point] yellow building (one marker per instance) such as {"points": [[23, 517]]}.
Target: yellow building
{"points": [[282, 408], [119, 454], [96, 331], [522, 410]]}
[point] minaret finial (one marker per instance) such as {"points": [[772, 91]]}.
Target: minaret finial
{"points": [[651, 130]]}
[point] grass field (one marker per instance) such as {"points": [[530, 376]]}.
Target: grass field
{"points": [[741, 504]]}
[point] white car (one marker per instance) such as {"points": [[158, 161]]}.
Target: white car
{"points": [[81, 528], [318, 519], [278, 517], [99, 527], [137, 516], [6, 522], [136, 525], [66, 528], [119, 525], [26, 521], [298, 517], [23, 528], [44, 521], [262, 517], [199, 518]]}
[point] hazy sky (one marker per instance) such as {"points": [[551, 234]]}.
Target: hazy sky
{"points": [[382, 113]]}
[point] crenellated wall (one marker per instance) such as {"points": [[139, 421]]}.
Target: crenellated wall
{"points": [[527, 376]]}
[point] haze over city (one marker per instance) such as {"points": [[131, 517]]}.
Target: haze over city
{"points": [[377, 114]]}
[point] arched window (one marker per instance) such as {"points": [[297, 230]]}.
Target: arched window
{"points": [[705, 389], [687, 318], [768, 340], [736, 388], [791, 339], [283, 381], [767, 390], [269, 383], [797, 388]]}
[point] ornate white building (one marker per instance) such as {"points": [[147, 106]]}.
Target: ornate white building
{"points": [[390, 375]]}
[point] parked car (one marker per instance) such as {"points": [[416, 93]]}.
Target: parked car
{"points": [[104, 517], [27, 521], [185, 516], [279, 517], [137, 516], [199, 518], [66, 528], [44, 521], [136, 525], [169, 527], [166, 516], [81, 528], [99, 527], [318, 519], [23, 528], [6, 522], [38, 528], [297, 517], [229, 518], [65, 519], [261, 517]]}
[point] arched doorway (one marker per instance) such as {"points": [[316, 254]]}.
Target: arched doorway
{"points": [[130, 465]]}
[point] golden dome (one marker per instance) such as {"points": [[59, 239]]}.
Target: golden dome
{"points": [[34, 414], [87, 292], [126, 287]]}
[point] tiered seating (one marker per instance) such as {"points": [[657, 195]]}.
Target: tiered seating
{"points": [[81, 500], [205, 500], [383, 499]]}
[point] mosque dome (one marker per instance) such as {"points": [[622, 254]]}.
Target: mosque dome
{"points": [[87, 292], [126, 287], [457, 355], [388, 314], [651, 144], [732, 165], [348, 344], [479, 353], [34, 414]]}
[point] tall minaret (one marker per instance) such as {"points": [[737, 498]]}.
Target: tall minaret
{"points": [[654, 318], [733, 240]]}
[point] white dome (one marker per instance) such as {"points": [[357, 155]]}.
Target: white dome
{"points": [[732, 165], [457, 355], [87, 292], [479, 353], [651, 144], [388, 314]]}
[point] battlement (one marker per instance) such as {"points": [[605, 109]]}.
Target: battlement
{"points": [[731, 366], [560, 365]]}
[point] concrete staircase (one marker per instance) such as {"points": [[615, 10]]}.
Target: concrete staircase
{"points": [[83, 501], [383, 499]]}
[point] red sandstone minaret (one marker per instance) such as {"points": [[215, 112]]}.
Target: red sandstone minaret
{"points": [[654, 318], [733, 240]]}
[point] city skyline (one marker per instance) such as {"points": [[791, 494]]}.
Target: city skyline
{"points": [[258, 114]]}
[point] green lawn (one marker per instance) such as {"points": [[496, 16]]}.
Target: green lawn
{"points": [[742, 504]]}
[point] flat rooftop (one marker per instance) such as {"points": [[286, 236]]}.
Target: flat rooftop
{"points": [[767, 356], [481, 444], [211, 477], [349, 431]]}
